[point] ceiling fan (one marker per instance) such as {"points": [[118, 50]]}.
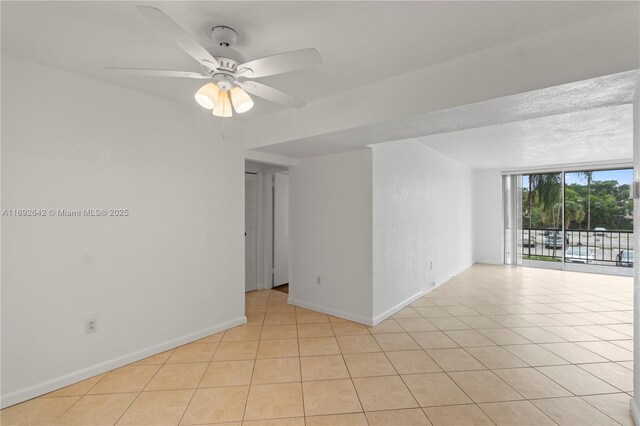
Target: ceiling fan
{"points": [[230, 73]]}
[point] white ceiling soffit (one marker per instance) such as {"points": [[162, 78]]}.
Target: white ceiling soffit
{"points": [[555, 103], [594, 136], [360, 42]]}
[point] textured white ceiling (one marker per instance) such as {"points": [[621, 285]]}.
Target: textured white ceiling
{"points": [[596, 135], [560, 117], [361, 42]]}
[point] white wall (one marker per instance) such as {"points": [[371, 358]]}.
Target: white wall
{"points": [[370, 223], [489, 226], [170, 272], [330, 234], [422, 213]]}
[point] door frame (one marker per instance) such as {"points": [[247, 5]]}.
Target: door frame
{"points": [[274, 228], [265, 174], [268, 221], [257, 230]]}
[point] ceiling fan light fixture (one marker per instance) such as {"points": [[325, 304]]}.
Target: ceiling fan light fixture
{"points": [[207, 95], [222, 106], [241, 100], [224, 66]]}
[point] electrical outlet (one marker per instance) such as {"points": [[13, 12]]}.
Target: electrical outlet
{"points": [[91, 326], [319, 280]]}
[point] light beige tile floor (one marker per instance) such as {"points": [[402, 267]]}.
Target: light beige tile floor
{"points": [[494, 345]]}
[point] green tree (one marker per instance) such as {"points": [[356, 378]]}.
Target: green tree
{"points": [[543, 196], [573, 211], [588, 175], [610, 205]]}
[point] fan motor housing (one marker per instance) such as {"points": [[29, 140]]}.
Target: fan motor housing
{"points": [[227, 64]]}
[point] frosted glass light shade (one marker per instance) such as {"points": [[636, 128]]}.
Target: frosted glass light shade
{"points": [[207, 95], [241, 100], [222, 106]]}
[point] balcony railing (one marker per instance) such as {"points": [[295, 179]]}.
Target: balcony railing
{"points": [[596, 247]]}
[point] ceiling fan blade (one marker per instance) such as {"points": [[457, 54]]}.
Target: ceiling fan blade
{"points": [[281, 63], [178, 35], [157, 73], [271, 94]]}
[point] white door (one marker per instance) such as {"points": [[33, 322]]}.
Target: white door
{"points": [[250, 227], [281, 229]]}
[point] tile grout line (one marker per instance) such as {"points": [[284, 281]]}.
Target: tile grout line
{"points": [[525, 399], [80, 397], [454, 382], [205, 372], [477, 404], [577, 365], [304, 413], [402, 378], [355, 389]]}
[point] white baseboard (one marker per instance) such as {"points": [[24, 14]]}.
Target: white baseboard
{"points": [[71, 378], [635, 412], [386, 314], [379, 318], [488, 262], [330, 311]]}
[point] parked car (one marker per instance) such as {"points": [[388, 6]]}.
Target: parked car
{"points": [[580, 254], [625, 258], [554, 240], [528, 240], [600, 231]]}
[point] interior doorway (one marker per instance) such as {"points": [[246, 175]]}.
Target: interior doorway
{"points": [[266, 226]]}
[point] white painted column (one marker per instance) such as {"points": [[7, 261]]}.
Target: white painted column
{"points": [[635, 402]]}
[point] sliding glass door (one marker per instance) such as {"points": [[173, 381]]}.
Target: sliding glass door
{"points": [[599, 217], [542, 238], [578, 220]]}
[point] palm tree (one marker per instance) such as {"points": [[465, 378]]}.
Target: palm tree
{"points": [[545, 191], [588, 175], [574, 212], [549, 196], [549, 190], [534, 180]]}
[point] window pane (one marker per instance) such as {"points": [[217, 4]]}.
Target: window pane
{"points": [[542, 217], [599, 215]]}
